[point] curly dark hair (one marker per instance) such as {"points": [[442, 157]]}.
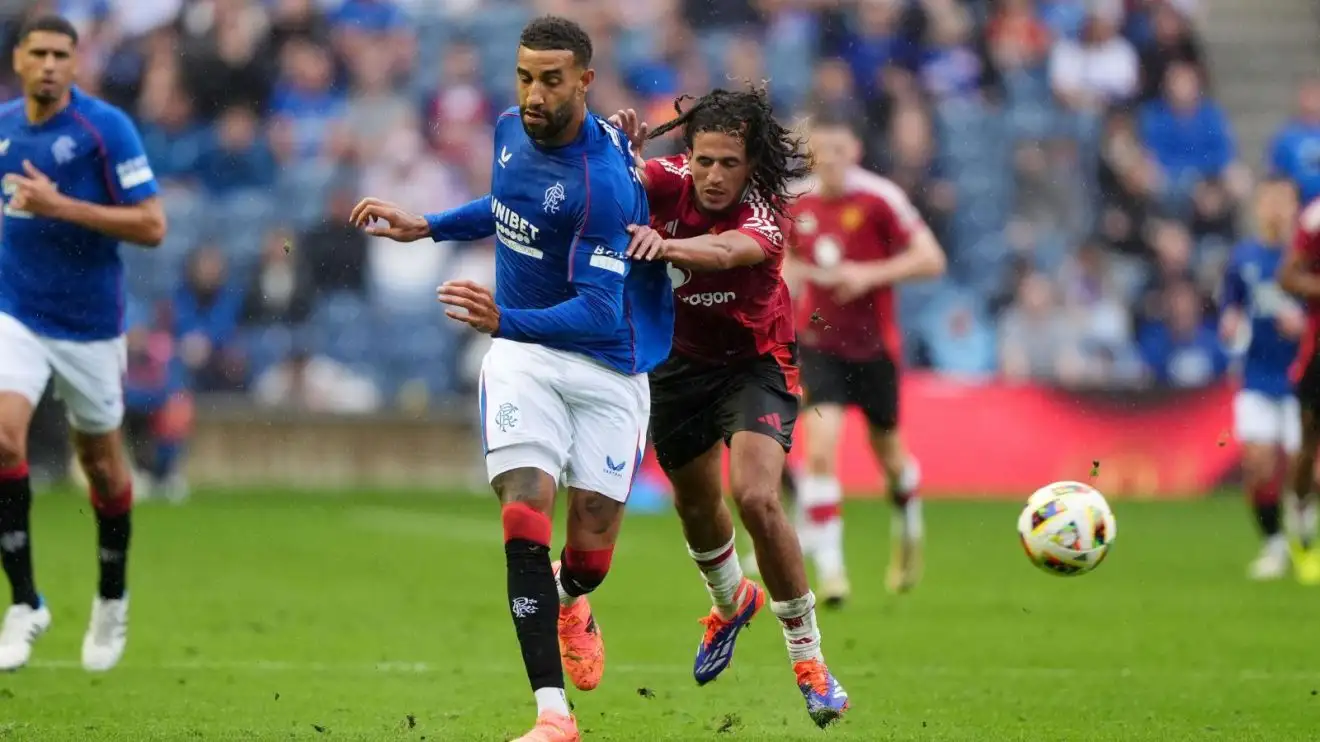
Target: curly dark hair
{"points": [[773, 151], [553, 33]]}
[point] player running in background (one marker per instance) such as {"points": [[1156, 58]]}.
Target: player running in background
{"points": [[1266, 418], [577, 326], [1300, 275], [856, 236], [76, 184], [716, 216]]}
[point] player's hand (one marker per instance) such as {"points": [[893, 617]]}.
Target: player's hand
{"points": [[646, 243], [636, 130], [1230, 323], [34, 192], [480, 311], [1291, 323], [850, 282], [384, 219]]}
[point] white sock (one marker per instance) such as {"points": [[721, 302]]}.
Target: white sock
{"points": [[564, 598], [909, 480], [798, 619], [818, 491], [723, 573], [552, 699]]}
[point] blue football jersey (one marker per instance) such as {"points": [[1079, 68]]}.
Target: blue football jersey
{"points": [[59, 279], [1250, 285], [560, 217]]}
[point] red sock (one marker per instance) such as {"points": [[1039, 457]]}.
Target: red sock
{"points": [[522, 521], [580, 572]]}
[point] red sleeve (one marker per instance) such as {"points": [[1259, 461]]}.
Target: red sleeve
{"points": [[1306, 240], [757, 220], [666, 177]]}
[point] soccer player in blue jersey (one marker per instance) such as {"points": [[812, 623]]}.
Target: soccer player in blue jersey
{"points": [[1264, 324], [577, 326], [76, 184]]}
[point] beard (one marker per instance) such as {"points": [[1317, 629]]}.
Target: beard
{"points": [[556, 121]]}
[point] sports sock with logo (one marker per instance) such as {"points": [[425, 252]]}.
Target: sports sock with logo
{"points": [[15, 536], [533, 602], [723, 573], [798, 619], [114, 531]]}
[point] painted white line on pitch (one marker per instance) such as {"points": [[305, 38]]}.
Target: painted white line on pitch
{"points": [[427, 668]]}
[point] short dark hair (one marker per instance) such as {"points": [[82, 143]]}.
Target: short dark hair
{"points": [[48, 24], [831, 117], [773, 151], [554, 33]]}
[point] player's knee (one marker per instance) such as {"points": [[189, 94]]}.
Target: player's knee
{"points": [[757, 503], [13, 447], [820, 462], [583, 570], [696, 506]]}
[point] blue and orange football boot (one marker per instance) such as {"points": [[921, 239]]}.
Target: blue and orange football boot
{"points": [[826, 699], [716, 649]]}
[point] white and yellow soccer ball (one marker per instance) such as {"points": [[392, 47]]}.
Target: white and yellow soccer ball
{"points": [[1067, 528]]}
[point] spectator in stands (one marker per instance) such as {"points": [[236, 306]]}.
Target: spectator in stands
{"points": [[360, 24], [308, 113], [1100, 69], [334, 250], [1099, 319], [1214, 218], [953, 64], [957, 340], [1183, 350], [1188, 135], [1127, 181], [172, 136], [1295, 152], [833, 91], [1173, 252], [911, 163], [1018, 38], [223, 59], [207, 307], [158, 406], [295, 19], [877, 49], [1172, 42], [281, 290], [235, 158], [375, 108], [1035, 342], [458, 107], [1066, 19]]}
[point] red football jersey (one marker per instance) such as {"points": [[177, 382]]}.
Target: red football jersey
{"points": [[872, 220], [1306, 242], [722, 315]]}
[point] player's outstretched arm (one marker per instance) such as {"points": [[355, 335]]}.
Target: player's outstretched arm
{"points": [[471, 221], [705, 253]]}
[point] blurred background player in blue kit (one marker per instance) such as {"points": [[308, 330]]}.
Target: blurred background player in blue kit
{"points": [[1263, 323], [61, 317], [158, 405], [577, 327]]}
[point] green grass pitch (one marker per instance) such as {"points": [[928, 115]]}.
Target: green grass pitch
{"points": [[265, 616]]}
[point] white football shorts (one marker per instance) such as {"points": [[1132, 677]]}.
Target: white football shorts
{"points": [[1262, 419], [89, 375], [578, 421]]}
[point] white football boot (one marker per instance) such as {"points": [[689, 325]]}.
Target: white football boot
{"points": [[1273, 562], [23, 624], [107, 634]]}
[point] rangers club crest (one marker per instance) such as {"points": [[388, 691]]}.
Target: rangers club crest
{"points": [[554, 196]]}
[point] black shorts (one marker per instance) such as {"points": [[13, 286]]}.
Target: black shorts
{"points": [[871, 386], [1308, 386], [695, 405]]}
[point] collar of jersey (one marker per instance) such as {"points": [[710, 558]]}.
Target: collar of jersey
{"points": [[74, 95], [578, 142]]}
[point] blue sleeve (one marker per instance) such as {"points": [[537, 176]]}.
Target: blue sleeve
{"points": [[1224, 149], [597, 272], [474, 220], [132, 180], [1279, 154], [1233, 293]]}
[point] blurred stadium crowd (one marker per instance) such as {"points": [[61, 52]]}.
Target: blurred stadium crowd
{"points": [[1069, 154]]}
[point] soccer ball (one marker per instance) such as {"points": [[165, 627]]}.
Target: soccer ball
{"points": [[1067, 528]]}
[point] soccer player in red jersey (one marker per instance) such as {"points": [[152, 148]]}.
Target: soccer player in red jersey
{"points": [[717, 217], [856, 236], [1300, 275]]}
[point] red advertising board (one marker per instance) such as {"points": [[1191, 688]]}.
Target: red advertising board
{"points": [[987, 440]]}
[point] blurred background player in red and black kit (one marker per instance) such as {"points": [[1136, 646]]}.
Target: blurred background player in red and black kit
{"points": [[1300, 275], [158, 405], [856, 236]]}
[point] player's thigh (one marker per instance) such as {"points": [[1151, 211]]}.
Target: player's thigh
{"points": [[872, 386], [608, 416], [525, 424], [24, 373], [763, 401], [1292, 425], [89, 378], [820, 429], [1257, 418], [685, 398]]}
